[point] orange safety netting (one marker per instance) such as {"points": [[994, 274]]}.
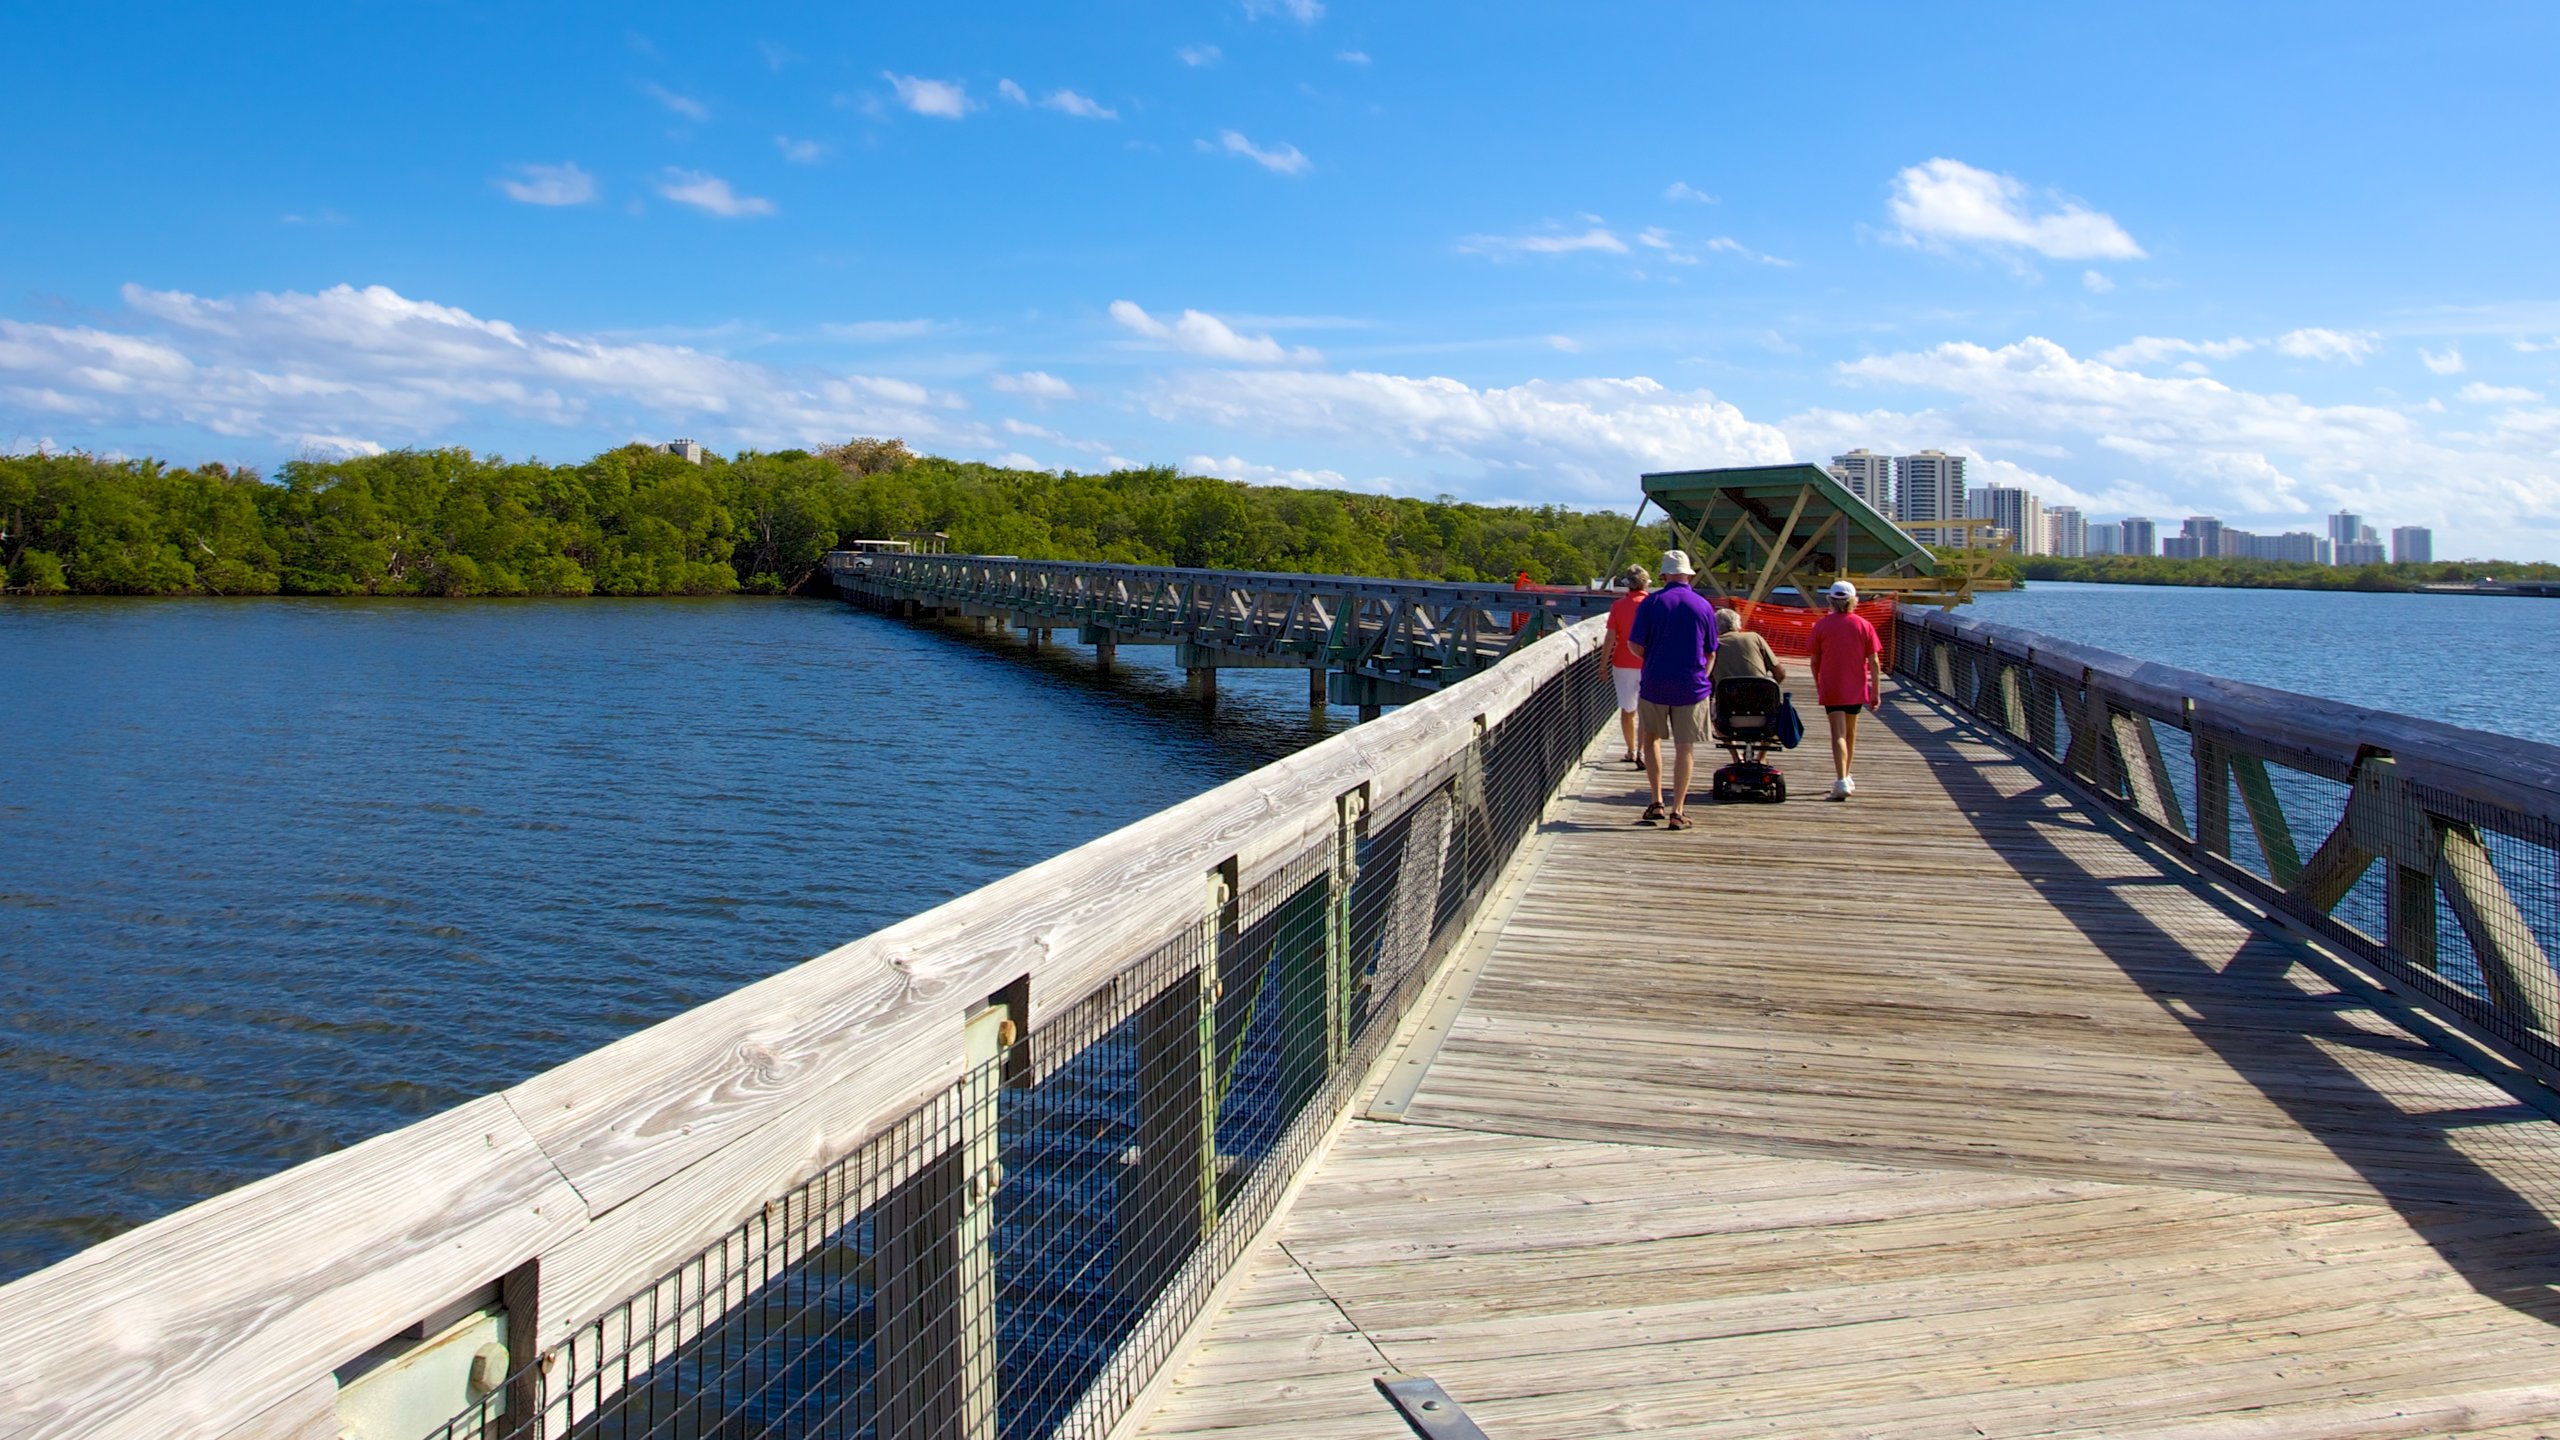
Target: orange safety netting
{"points": [[1789, 628]]}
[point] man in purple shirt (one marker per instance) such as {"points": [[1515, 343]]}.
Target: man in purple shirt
{"points": [[1674, 634]]}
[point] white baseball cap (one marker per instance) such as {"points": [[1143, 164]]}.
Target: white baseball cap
{"points": [[1843, 590]]}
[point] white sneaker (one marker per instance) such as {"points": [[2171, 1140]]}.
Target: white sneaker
{"points": [[1839, 790], [1848, 787]]}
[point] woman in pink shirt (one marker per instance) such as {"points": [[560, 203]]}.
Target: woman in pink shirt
{"points": [[1626, 668], [1848, 670]]}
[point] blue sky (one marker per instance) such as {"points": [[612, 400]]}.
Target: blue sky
{"points": [[2259, 261]]}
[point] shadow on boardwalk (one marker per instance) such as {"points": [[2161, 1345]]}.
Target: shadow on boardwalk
{"points": [[2479, 1182]]}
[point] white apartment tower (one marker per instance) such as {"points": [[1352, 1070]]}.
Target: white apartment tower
{"points": [[2017, 511], [1929, 486], [2412, 545], [2138, 536], [1868, 476], [2067, 532]]}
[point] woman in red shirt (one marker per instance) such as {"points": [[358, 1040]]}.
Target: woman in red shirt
{"points": [[1626, 668], [1848, 670]]}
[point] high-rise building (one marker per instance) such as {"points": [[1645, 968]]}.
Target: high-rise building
{"points": [[2106, 537], [2180, 547], [1929, 486], [2346, 528], [2066, 532], [1868, 476], [2019, 513], [2138, 536], [2412, 545], [2206, 531], [2359, 552]]}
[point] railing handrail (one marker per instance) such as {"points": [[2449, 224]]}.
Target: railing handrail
{"points": [[2424, 847], [1491, 593], [227, 1318], [2331, 735]]}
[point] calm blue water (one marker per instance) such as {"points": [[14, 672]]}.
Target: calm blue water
{"points": [[2490, 664], [279, 875]]}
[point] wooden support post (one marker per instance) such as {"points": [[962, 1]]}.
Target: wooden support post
{"points": [[1168, 1192], [1351, 820], [1372, 712], [1316, 696], [2512, 961], [2412, 906], [1106, 653], [2213, 796], [2333, 870], [916, 1300], [2146, 774], [2266, 819], [1204, 683]]}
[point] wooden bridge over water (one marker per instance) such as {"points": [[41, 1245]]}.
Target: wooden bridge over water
{"points": [[2040, 1090]]}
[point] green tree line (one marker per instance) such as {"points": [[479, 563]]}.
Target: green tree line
{"points": [[2272, 574], [637, 521]]}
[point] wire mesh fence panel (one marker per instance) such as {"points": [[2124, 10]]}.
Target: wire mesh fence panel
{"points": [[1015, 1258], [2454, 897], [1100, 1199]]}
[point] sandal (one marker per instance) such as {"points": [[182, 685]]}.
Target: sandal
{"points": [[1652, 813], [1677, 822]]}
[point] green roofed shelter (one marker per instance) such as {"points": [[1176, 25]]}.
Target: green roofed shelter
{"points": [[1752, 528]]}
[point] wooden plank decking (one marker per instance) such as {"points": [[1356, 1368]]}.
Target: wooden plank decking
{"points": [[1942, 1112]]}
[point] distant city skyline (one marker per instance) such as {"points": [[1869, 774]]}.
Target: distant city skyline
{"points": [[1922, 485], [1320, 243]]}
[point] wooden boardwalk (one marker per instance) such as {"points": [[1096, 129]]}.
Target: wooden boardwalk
{"points": [[1946, 1111]]}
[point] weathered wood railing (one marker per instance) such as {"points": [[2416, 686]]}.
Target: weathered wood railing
{"points": [[2399, 813], [1415, 634], [966, 1177]]}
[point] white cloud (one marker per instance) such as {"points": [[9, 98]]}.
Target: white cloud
{"points": [[1198, 56], [1282, 159], [2480, 394], [710, 194], [2221, 449], [2152, 349], [2095, 283], [2448, 363], [941, 99], [1683, 190], [684, 105], [1236, 467], [775, 56], [2348, 345], [1558, 440], [1012, 92], [1305, 12], [1565, 343], [1598, 237], [1352, 57], [1200, 333], [561, 184], [2534, 347], [347, 369], [1726, 244], [1946, 202], [876, 330], [1038, 384], [1083, 107], [800, 152]]}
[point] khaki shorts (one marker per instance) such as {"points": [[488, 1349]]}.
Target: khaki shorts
{"points": [[1681, 724]]}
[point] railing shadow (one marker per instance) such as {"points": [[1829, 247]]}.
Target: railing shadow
{"points": [[2494, 1229]]}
